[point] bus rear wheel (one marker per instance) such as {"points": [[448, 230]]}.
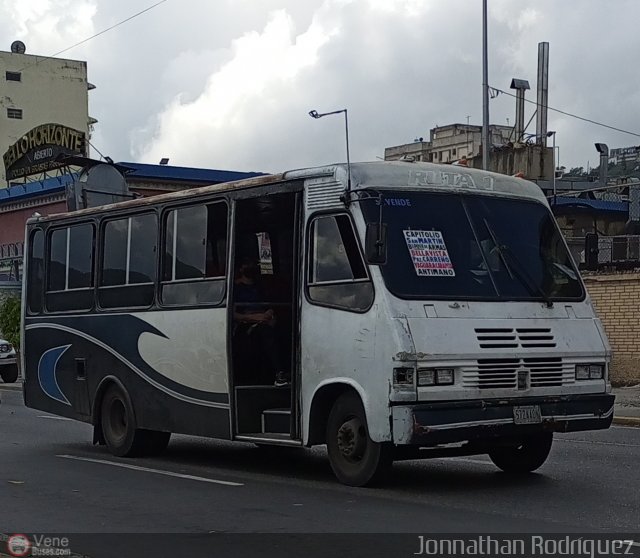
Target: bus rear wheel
{"points": [[525, 456], [121, 435], [355, 458]]}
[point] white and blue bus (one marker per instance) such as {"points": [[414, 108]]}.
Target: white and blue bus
{"points": [[391, 311]]}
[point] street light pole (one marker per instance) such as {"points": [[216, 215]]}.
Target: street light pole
{"points": [[316, 114], [485, 90], [554, 168], [552, 133]]}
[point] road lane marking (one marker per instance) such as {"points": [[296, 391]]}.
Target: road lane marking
{"points": [[52, 417], [596, 442], [466, 460], [148, 470]]}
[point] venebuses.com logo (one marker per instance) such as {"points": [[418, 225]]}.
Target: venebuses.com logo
{"points": [[38, 545]]}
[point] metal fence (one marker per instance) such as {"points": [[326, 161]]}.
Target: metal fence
{"points": [[597, 251], [12, 251]]}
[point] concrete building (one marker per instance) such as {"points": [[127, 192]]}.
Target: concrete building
{"points": [[450, 143], [629, 156], [37, 91]]}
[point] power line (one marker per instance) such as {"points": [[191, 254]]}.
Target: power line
{"points": [[97, 34], [574, 115]]}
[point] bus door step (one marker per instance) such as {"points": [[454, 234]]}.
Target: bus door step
{"points": [[276, 421]]}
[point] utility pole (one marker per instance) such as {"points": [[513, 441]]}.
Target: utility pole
{"points": [[485, 90], [467, 153]]}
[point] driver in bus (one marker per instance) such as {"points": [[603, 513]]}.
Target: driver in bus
{"points": [[255, 324]]}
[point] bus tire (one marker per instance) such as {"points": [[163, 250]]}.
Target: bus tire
{"points": [[523, 457], [118, 423], [9, 373], [355, 458]]}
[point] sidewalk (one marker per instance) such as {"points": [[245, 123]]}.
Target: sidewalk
{"points": [[627, 407]]}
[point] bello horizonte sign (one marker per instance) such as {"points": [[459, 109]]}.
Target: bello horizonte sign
{"points": [[37, 150]]}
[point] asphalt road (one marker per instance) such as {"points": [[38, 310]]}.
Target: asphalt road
{"points": [[52, 479]]}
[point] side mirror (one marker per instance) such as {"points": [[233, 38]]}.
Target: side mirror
{"points": [[375, 243]]}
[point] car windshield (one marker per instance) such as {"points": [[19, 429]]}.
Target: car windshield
{"points": [[473, 247]]}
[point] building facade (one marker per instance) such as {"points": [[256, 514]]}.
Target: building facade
{"points": [[37, 90], [450, 143], [625, 155]]}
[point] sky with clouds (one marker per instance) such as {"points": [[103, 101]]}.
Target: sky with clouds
{"points": [[229, 83]]}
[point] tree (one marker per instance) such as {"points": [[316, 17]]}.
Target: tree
{"points": [[10, 320]]}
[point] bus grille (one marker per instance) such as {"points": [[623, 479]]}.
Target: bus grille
{"points": [[323, 194], [509, 338], [516, 373]]}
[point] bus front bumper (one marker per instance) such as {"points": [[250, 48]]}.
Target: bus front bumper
{"points": [[442, 422]]}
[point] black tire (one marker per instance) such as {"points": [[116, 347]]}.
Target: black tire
{"points": [[524, 456], [118, 423], [9, 373], [356, 460]]}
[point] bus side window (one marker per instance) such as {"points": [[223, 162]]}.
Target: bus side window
{"points": [[337, 275], [128, 270], [35, 280], [70, 269], [195, 255]]}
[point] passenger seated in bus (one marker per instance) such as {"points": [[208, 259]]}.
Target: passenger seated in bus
{"points": [[255, 325]]}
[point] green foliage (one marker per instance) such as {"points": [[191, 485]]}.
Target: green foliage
{"points": [[10, 320]]}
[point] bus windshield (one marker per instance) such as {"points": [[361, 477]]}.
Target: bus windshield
{"points": [[464, 246]]}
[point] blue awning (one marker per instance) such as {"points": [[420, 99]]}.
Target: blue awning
{"points": [[593, 205]]}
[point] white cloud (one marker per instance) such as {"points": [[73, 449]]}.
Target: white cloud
{"points": [[229, 83]]}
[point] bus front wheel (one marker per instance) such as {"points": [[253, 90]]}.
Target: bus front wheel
{"points": [[525, 456], [355, 458], [118, 423]]}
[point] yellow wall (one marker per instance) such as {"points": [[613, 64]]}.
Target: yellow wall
{"points": [[616, 297]]}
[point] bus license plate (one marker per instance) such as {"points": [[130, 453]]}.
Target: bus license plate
{"points": [[529, 414]]}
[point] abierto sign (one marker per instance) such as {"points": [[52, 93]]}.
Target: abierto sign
{"points": [[37, 150]]}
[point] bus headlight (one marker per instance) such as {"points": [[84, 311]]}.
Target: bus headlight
{"points": [[426, 377], [596, 372], [435, 376], [403, 377], [589, 371]]}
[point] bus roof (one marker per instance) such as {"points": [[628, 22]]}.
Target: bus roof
{"points": [[378, 174]]}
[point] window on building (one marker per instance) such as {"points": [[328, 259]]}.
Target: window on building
{"points": [[13, 76], [435, 156], [337, 273], [453, 152], [14, 113], [128, 271], [195, 255]]}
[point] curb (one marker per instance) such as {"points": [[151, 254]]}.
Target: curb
{"points": [[10, 387], [627, 421]]}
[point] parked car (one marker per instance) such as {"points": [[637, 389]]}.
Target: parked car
{"points": [[8, 362]]}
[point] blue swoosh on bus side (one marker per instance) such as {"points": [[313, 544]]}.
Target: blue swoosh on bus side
{"points": [[47, 373]]}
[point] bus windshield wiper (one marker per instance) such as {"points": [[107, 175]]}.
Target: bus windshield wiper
{"points": [[516, 266]]}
